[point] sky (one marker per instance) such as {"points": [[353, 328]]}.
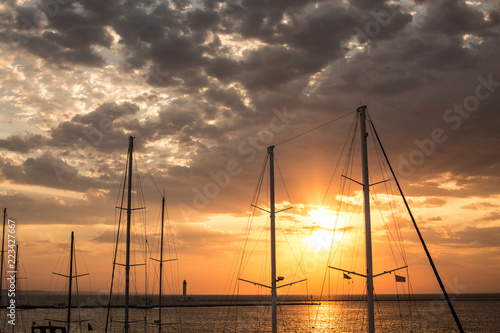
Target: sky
{"points": [[205, 86]]}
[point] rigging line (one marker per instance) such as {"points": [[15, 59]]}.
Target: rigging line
{"points": [[142, 214], [77, 291], [399, 305], [378, 204], [232, 284], [315, 128], [438, 278], [379, 311], [410, 297], [342, 182], [117, 241], [170, 240], [290, 200], [347, 170], [389, 234], [172, 247], [250, 220], [349, 138], [147, 169], [239, 264], [399, 246]]}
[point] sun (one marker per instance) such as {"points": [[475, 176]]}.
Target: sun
{"points": [[326, 218], [326, 221]]}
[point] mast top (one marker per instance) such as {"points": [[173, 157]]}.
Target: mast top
{"points": [[362, 107]]}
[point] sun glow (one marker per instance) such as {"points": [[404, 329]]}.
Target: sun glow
{"points": [[327, 219], [321, 240], [330, 227]]}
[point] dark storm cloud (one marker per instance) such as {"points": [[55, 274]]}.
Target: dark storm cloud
{"points": [[454, 17], [102, 129], [24, 144], [66, 33], [140, 26], [58, 34], [199, 19], [56, 55], [226, 97], [90, 136], [297, 56], [47, 170], [222, 68], [175, 53], [108, 111]]}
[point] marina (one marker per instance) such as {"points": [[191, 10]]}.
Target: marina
{"points": [[249, 166]]}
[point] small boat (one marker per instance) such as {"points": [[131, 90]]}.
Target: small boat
{"points": [[145, 304]]}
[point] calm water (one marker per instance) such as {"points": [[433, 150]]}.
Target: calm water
{"points": [[335, 316]]}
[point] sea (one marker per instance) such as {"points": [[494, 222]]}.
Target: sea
{"points": [[213, 313]]}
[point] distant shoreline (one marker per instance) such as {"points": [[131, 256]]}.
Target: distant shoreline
{"points": [[48, 300]]}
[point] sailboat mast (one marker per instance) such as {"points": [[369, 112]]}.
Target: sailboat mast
{"points": [[274, 297], [161, 258], [129, 213], [368, 231], [70, 279], [1, 260]]}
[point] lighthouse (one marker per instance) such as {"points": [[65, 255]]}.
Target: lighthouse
{"points": [[184, 288]]}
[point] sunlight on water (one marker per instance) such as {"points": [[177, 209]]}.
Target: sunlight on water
{"points": [[426, 316]]}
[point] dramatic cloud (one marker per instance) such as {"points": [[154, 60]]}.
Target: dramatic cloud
{"points": [[205, 86]]}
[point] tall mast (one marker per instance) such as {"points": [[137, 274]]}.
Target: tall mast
{"points": [[70, 279], [272, 211], [368, 231], [1, 260], [161, 257], [129, 213], [158, 322], [274, 297]]}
